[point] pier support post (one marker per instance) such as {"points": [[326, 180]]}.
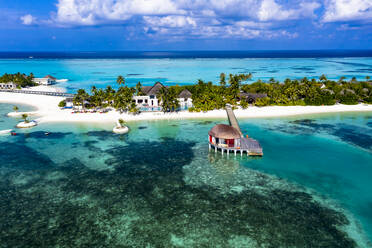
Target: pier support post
{"points": [[222, 151], [235, 152], [241, 153], [228, 152], [209, 147]]}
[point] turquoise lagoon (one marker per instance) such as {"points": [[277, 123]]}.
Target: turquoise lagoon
{"points": [[159, 186], [83, 73]]}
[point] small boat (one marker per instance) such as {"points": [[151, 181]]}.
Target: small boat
{"points": [[61, 80], [13, 133], [7, 131], [47, 133]]}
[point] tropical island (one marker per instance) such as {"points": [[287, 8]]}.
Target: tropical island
{"points": [[206, 96], [201, 100]]}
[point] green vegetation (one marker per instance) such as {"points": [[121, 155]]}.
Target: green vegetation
{"points": [[232, 90], [168, 97], [21, 80], [62, 104], [15, 108], [24, 117], [121, 122]]}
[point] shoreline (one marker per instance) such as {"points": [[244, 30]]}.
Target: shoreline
{"points": [[47, 111]]}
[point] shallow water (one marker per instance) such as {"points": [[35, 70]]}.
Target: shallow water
{"points": [[83, 73], [159, 185], [10, 123]]}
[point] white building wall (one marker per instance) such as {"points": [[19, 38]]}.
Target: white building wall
{"points": [[185, 102], [43, 81]]}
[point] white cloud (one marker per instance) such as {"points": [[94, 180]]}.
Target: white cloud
{"points": [[271, 10], [92, 12], [200, 18], [347, 10], [170, 21], [28, 19]]}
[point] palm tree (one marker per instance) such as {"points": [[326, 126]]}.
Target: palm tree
{"points": [[81, 97], [222, 79], [15, 108], [323, 77], [109, 94], [120, 80], [121, 122], [168, 98], [24, 117], [341, 79], [139, 89]]}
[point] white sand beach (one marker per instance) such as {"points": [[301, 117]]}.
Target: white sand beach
{"points": [[48, 111]]}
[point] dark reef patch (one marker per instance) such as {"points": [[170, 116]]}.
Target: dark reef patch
{"points": [[349, 135], [205, 123], [354, 135], [142, 127], [29, 160], [134, 74], [302, 68], [102, 135], [145, 201], [43, 135]]}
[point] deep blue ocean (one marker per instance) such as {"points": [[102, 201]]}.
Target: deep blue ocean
{"points": [[159, 186], [188, 54]]}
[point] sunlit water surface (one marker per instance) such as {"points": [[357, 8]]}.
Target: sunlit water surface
{"points": [[83, 73]]}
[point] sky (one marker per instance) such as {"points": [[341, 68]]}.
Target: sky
{"points": [[158, 25]]}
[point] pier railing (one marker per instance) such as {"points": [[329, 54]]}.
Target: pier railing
{"points": [[34, 92], [232, 119]]}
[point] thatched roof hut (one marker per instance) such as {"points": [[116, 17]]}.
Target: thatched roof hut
{"points": [[185, 94], [223, 131], [152, 90], [251, 97]]}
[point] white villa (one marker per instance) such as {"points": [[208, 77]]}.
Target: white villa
{"points": [[150, 101], [8, 86], [47, 80]]}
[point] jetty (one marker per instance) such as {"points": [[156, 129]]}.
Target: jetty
{"points": [[34, 92], [229, 138]]}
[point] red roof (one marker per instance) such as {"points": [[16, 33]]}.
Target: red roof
{"points": [[50, 77]]}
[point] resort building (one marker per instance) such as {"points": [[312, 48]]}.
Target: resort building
{"points": [[229, 138], [251, 98], [149, 101], [8, 86], [185, 100], [69, 102], [47, 80]]}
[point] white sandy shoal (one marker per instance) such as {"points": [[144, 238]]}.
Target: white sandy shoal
{"points": [[48, 111]]}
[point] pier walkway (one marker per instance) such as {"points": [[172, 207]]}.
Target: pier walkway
{"points": [[232, 119], [45, 93]]}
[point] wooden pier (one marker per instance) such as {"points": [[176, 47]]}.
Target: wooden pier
{"points": [[34, 92], [232, 119], [229, 139]]}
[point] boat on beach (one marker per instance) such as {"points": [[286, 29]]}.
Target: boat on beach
{"points": [[61, 80]]}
